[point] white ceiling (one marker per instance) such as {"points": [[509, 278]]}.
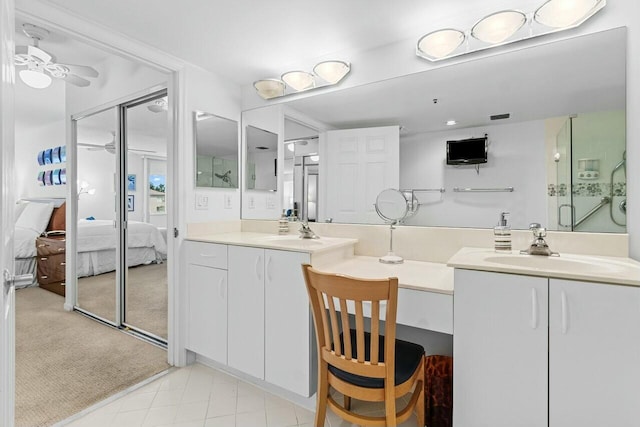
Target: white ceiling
{"points": [[247, 40]]}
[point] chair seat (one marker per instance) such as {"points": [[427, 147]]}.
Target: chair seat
{"points": [[408, 357]]}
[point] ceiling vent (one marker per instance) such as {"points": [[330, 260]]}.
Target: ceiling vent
{"points": [[500, 116]]}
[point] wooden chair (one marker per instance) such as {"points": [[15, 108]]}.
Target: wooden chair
{"points": [[370, 366]]}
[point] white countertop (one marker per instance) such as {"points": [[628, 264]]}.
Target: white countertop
{"points": [[615, 270], [420, 275], [288, 242]]}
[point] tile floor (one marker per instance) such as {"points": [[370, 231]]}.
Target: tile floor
{"points": [[198, 396]]}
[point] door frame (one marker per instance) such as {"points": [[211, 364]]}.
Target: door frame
{"points": [[178, 118], [7, 160]]}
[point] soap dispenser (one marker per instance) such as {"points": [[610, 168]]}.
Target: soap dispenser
{"points": [[502, 234]]}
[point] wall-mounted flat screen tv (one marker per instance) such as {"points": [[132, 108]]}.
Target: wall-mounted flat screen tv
{"points": [[467, 151]]}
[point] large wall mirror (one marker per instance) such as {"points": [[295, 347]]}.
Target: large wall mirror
{"points": [[554, 117], [216, 140], [261, 159]]}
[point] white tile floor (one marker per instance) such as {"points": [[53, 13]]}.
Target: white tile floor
{"points": [[198, 396]]}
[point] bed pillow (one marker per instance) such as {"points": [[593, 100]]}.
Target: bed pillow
{"points": [[58, 218], [18, 209], [35, 216]]}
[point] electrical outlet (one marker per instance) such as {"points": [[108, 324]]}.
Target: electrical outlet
{"points": [[227, 201], [252, 202], [202, 202]]}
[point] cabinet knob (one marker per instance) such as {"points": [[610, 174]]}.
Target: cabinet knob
{"points": [[60, 249], [44, 259], [63, 263], [44, 277]]}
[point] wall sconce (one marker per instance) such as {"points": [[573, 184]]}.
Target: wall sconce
{"points": [[507, 26], [324, 74]]}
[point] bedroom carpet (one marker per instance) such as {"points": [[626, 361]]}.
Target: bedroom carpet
{"points": [[66, 362], [146, 297]]}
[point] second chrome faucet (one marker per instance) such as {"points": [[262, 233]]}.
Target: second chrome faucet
{"points": [[538, 246]]}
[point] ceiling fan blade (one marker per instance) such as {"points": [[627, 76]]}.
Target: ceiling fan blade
{"points": [[82, 70], [75, 80], [39, 53]]}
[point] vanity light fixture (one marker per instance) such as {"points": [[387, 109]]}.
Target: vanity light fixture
{"points": [[499, 26], [324, 74], [299, 80], [507, 26]]}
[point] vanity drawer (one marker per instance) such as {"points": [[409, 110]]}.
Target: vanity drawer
{"points": [[425, 310], [206, 254]]}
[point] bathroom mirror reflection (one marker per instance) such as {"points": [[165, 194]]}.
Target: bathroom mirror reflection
{"points": [[261, 159], [216, 140], [554, 116]]}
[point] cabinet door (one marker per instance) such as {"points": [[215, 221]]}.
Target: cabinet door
{"points": [[594, 362], [207, 312], [499, 350], [246, 310], [287, 322]]}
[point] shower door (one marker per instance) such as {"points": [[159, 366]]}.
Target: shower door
{"points": [[562, 157], [121, 234]]}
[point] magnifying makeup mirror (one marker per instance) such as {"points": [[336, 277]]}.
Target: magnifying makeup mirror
{"points": [[393, 206]]}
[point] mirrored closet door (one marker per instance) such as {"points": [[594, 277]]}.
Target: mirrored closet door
{"points": [[122, 215]]}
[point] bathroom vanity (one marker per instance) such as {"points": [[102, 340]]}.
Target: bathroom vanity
{"points": [[545, 341]]}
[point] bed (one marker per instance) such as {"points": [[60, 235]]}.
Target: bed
{"points": [[96, 244], [96, 239]]}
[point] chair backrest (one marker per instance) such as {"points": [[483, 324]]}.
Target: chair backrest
{"points": [[330, 296]]}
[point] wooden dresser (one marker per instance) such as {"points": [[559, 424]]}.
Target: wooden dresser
{"points": [[51, 263]]}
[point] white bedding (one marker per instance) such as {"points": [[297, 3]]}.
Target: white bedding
{"points": [[24, 242], [99, 234], [96, 246]]}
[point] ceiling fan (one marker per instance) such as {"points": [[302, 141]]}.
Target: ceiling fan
{"points": [[110, 147], [41, 66]]}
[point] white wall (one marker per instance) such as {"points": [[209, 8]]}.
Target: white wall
{"points": [[515, 159], [206, 91], [33, 135]]}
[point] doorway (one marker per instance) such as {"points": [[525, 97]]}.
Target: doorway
{"points": [[121, 244]]}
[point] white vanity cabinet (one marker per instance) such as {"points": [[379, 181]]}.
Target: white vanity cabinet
{"points": [[512, 366], [269, 318], [594, 357], [206, 299], [499, 350], [288, 323], [246, 310]]}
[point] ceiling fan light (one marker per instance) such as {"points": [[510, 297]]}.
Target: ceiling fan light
{"points": [[440, 43], [332, 71], [35, 79], [499, 26], [269, 88], [566, 13], [299, 80]]}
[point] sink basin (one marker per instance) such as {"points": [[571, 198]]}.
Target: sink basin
{"points": [[557, 263]]}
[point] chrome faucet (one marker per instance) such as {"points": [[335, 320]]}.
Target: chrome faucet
{"points": [[306, 232], [538, 246]]}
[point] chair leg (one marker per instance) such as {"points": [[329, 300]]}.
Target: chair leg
{"points": [[347, 402], [390, 406], [321, 396]]}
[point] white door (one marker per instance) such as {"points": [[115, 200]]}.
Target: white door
{"points": [[246, 310], [287, 322], [594, 358], [360, 164], [7, 297], [499, 350]]}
